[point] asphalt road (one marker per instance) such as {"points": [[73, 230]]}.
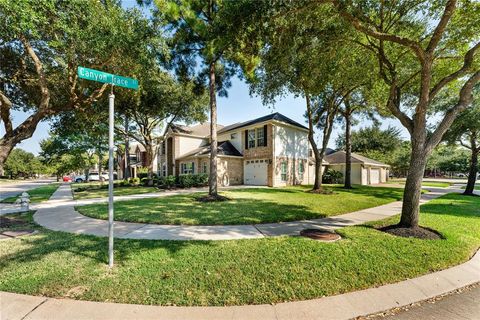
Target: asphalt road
{"points": [[14, 188]]}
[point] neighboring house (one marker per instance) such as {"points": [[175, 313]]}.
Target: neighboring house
{"points": [[137, 155], [272, 150], [364, 170]]}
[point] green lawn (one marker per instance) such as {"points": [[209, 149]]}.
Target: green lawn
{"points": [[239, 272], [97, 190], [39, 194], [424, 183], [477, 187], [247, 206]]}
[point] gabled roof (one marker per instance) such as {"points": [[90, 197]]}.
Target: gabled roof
{"points": [[202, 129], [224, 148], [339, 158], [274, 116], [329, 151]]}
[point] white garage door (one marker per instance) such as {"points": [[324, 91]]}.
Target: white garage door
{"points": [[256, 172], [374, 176]]}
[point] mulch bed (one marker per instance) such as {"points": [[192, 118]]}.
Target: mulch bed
{"points": [[6, 222], [418, 232], [210, 198]]}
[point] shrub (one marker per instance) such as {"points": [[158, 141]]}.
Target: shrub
{"points": [[200, 180], [167, 182], [332, 176], [134, 181], [186, 181]]}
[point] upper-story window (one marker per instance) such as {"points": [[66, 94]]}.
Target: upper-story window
{"points": [[251, 138], [256, 137], [260, 138]]}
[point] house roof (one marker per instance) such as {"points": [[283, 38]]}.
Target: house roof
{"points": [[224, 148], [274, 116], [329, 151], [202, 129], [339, 158], [133, 148]]}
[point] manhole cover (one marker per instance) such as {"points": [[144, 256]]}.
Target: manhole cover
{"points": [[318, 234]]}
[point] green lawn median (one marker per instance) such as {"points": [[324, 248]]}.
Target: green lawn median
{"points": [[39, 194], [238, 272], [246, 206]]}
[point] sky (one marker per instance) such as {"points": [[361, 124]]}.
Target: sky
{"points": [[238, 106]]}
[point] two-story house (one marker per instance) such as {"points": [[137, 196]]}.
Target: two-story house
{"points": [[272, 150]]}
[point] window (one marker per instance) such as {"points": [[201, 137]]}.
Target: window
{"points": [[251, 138], [233, 136], [260, 137], [204, 167], [164, 170], [301, 169], [284, 171], [187, 168], [163, 148]]}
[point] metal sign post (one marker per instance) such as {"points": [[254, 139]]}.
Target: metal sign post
{"points": [[130, 83]]}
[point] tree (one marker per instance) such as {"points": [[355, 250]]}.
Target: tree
{"points": [[22, 163], [422, 48], [286, 66], [465, 131], [372, 138], [197, 29], [42, 44], [161, 100]]}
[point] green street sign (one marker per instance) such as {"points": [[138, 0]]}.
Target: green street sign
{"points": [[100, 76]]}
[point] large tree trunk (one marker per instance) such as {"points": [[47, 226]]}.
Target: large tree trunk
{"points": [[472, 173], [311, 138], [348, 150], [413, 186], [212, 179], [149, 162]]}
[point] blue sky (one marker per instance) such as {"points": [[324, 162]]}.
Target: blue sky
{"points": [[239, 106]]}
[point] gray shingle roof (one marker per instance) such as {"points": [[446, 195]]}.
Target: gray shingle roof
{"points": [[224, 148], [339, 158], [274, 116]]}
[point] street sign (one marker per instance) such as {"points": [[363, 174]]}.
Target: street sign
{"points": [[100, 76]]}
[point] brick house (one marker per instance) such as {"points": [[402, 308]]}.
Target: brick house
{"points": [[272, 150]]}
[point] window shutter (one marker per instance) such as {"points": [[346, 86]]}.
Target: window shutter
{"points": [[246, 139], [193, 167], [265, 135]]}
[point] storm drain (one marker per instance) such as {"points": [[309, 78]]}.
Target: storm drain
{"points": [[320, 235]]}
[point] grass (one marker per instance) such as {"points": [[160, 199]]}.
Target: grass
{"points": [[477, 187], [270, 270], [39, 194], [424, 183], [92, 190], [247, 206]]}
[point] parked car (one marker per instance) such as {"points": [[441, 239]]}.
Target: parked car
{"points": [[80, 178], [67, 179], [94, 176]]}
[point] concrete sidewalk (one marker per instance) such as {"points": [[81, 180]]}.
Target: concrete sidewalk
{"points": [[59, 214], [344, 306]]}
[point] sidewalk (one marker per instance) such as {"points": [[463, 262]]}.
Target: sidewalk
{"points": [[59, 214], [345, 306]]}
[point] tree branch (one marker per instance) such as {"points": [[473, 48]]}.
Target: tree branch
{"points": [[467, 63], [5, 105], [465, 98], [440, 29]]}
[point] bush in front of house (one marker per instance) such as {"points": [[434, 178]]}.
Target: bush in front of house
{"points": [[200, 180], [167, 182], [332, 177], [186, 181], [134, 181]]}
